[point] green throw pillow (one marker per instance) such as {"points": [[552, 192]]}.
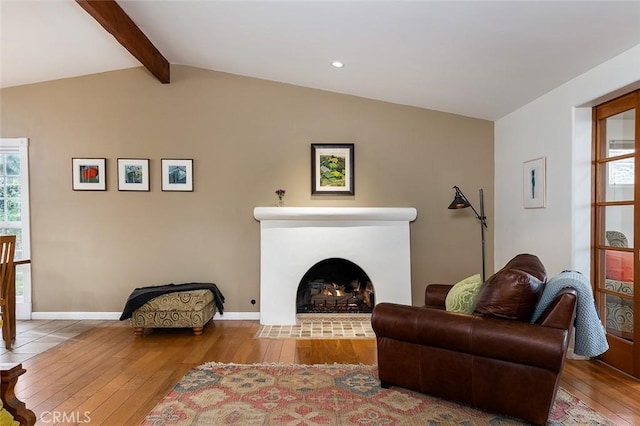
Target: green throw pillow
{"points": [[462, 296], [6, 419]]}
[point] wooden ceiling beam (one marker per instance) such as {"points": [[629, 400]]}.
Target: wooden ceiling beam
{"points": [[115, 20]]}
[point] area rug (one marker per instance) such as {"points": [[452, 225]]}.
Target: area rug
{"points": [[276, 394]]}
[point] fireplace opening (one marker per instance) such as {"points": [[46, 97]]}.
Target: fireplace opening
{"points": [[335, 285]]}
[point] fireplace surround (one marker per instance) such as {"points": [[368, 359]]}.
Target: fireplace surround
{"points": [[293, 239]]}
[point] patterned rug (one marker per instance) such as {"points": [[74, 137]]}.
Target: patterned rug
{"points": [[276, 394]]}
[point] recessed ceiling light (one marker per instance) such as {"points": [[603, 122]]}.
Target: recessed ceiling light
{"points": [[337, 64]]}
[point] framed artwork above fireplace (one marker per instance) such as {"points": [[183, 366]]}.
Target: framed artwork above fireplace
{"points": [[332, 170]]}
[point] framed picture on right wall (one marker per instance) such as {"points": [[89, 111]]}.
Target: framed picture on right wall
{"points": [[534, 176]]}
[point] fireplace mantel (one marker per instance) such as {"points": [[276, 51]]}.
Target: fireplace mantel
{"points": [[293, 239], [335, 213]]}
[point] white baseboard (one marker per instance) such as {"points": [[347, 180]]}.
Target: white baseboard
{"points": [[75, 315], [116, 316], [237, 316]]}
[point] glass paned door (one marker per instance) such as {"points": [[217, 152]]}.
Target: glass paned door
{"points": [[616, 215]]}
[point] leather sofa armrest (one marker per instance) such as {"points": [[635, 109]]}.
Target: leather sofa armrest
{"points": [[559, 313], [435, 295], [508, 340]]}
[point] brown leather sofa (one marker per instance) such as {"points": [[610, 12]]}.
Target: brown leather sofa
{"points": [[495, 359]]}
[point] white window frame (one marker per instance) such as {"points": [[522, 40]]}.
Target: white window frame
{"points": [[21, 146]]}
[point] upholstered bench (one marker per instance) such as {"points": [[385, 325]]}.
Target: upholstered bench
{"points": [[182, 309]]}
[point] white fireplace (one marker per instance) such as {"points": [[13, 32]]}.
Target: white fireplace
{"points": [[293, 239]]}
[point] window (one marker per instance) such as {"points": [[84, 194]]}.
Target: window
{"points": [[14, 209], [621, 172]]}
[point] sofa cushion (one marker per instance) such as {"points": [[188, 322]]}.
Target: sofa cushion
{"points": [[619, 265], [462, 296], [509, 293], [530, 264]]}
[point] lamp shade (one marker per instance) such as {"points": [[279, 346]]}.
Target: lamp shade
{"points": [[459, 201]]}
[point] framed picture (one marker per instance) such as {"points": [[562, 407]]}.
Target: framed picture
{"points": [[534, 175], [133, 174], [89, 174], [177, 175], [332, 169]]}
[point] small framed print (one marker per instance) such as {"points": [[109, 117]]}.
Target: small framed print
{"points": [[534, 175], [133, 174], [332, 169], [89, 174], [177, 175]]}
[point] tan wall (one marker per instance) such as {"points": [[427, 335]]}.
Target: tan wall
{"points": [[247, 137]]}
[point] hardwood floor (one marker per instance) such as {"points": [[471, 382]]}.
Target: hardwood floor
{"points": [[108, 376]]}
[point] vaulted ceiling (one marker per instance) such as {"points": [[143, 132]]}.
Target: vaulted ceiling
{"points": [[480, 59]]}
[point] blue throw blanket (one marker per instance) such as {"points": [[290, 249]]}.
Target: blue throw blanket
{"points": [[590, 339]]}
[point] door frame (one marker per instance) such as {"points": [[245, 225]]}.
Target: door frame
{"points": [[622, 354]]}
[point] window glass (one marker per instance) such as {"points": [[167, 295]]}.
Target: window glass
{"points": [[621, 171], [10, 207]]}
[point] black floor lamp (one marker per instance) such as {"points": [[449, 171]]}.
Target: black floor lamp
{"points": [[461, 202]]}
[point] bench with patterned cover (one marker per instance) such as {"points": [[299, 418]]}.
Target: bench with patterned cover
{"points": [[182, 309]]}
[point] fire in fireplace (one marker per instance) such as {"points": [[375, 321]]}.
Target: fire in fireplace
{"points": [[335, 285]]}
